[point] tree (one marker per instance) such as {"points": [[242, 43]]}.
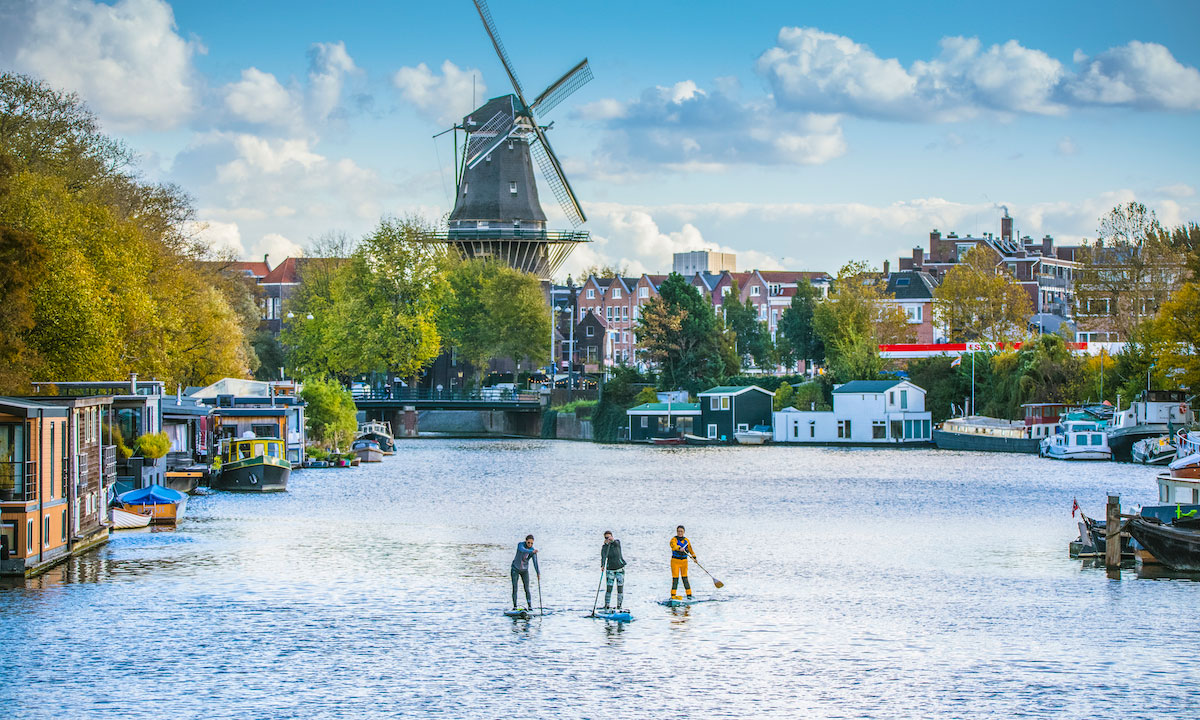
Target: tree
{"points": [[604, 271], [1127, 274], [22, 263], [783, 396], [752, 340], [330, 412], [1177, 331], [798, 339], [855, 320], [386, 302], [645, 395], [678, 331], [977, 302], [495, 311]]}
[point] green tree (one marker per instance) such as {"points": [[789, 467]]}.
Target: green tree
{"points": [[783, 396], [977, 302], [798, 339], [330, 412], [645, 395], [855, 320], [944, 385], [495, 311], [751, 337], [678, 331]]}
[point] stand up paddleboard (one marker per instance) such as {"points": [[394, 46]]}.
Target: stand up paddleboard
{"points": [[525, 613], [679, 603], [623, 616]]}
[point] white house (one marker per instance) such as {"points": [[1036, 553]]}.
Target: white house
{"points": [[864, 412]]}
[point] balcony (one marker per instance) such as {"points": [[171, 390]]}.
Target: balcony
{"points": [[18, 481]]}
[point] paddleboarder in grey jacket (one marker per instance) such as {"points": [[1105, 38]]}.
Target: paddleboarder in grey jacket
{"points": [[614, 569], [520, 569]]}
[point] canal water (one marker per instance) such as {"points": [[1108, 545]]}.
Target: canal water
{"points": [[858, 583]]}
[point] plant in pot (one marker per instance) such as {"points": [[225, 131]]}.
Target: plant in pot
{"points": [[154, 446]]}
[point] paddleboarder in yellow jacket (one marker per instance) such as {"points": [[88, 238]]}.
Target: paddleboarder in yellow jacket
{"points": [[681, 548]]}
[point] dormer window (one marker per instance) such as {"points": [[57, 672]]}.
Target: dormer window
{"points": [[591, 293], [616, 293], [512, 187], [643, 292]]}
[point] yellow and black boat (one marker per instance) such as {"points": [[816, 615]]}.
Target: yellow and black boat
{"points": [[256, 464]]}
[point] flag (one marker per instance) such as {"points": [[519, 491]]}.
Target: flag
{"points": [[1074, 506], [957, 361]]}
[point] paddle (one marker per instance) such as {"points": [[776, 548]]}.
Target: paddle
{"points": [[541, 610], [716, 582], [603, 568]]}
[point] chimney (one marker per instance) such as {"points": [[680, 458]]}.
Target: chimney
{"points": [[133, 383], [918, 256], [887, 268], [267, 261], [1047, 245], [934, 236], [1006, 232]]}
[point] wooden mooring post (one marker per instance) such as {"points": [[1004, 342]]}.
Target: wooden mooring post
{"points": [[1112, 533]]}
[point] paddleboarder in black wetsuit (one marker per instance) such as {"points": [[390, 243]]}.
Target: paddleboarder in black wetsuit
{"points": [[614, 570], [520, 569]]}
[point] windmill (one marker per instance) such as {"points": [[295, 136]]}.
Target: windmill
{"points": [[497, 212]]}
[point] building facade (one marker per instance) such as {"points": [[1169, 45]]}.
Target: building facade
{"points": [[864, 412]]}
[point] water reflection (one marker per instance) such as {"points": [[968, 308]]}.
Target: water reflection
{"points": [[859, 584]]}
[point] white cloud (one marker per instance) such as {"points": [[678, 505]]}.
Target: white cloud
{"points": [[126, 59], [277, 246], [222, 237], [812, 70], [259, 98], [1177, 191], [1066, 146], [1138, 74], [329, 63], [446, 98]]}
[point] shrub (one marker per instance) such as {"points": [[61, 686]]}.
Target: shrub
{"points": [[154, 445]]}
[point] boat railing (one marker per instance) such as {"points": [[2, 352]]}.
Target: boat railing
{"points": [[491, 394]]}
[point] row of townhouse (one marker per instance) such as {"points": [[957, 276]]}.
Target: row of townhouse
{"points": [[600, 317]]}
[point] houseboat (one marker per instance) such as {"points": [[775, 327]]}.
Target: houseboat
{"points": [[379, 432], [978, 432], [1078, 440], [252, 464], [1155, 413], [729, 409], [865, 412], [650, 422]]}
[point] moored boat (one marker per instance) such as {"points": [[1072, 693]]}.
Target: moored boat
{"points": [[977, 432], [691, 439], [1173, 545], [126, 520], [367, 450], [253, 464], [162, 505], [669, 441], [1155, 413], [757, 435], [1154, 451], [1077, 441], [380, 432]]}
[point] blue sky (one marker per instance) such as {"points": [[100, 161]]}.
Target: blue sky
{"points": [[799, 135]]}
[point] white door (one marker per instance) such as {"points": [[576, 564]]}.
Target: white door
{"points": [[712, 432]]}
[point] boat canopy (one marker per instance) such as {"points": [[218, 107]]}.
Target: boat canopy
{"points": [[152, 495]]}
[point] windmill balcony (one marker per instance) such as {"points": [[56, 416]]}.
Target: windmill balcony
{"points": [[510, 233]]}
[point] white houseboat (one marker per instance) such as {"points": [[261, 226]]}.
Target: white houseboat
{"points": [[1078, 440], [865, 412]]}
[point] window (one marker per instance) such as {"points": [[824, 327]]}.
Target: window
{"points": [[616, 293], [46, 531], [902, 282], [843, 429], [712, 431], [742, 427], [625, 337], [591, 294], [796, 431], [608, 313], [64, 525], [466, 186], [754, 291], [725, 403], [725, 291], [913, 313], [643, 292], [264, 430], [892, 398], [897, 429], [625, 312], [590, 332], [488, 158], [878, 430], [812, 429], [645, 421], [512, 188], [714, 403], [29, 536], [903, 399]]}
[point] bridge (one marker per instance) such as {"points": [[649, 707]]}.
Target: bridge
{"points": [[502, 410]]}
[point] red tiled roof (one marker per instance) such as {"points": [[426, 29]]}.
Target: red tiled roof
{"points": [[284, 272], [256, 269]]}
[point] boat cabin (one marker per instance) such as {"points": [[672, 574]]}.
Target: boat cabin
{"points": [[1041, 418], [234, 449]]}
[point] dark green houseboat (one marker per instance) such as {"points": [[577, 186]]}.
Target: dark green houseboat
{"points": [[257, 464]]}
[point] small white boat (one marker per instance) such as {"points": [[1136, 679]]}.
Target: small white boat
{"points": [[125, 520], [759, 435], [367, 450], [1154, 451], [1077, 441]]}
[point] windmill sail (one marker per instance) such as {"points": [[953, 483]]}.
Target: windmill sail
{"points": [[552, 171], [560, 90], [490, 25], [485, 139]]}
